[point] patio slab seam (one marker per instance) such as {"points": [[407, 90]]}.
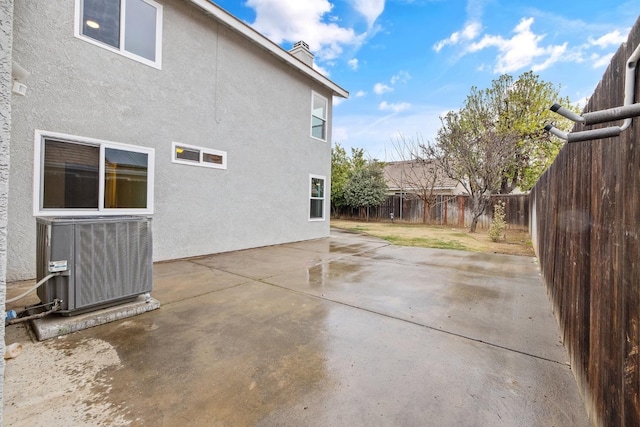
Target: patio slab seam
{"points": [[433, 328], [163, 304], [280, 273], [343, 255]]}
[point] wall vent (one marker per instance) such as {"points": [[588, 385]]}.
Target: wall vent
{"points": [[102, 261]]}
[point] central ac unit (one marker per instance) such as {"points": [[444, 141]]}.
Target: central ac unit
{"points": [[100, 261]]}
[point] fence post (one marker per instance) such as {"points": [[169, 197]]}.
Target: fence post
{"points": [[446, 208], [460, 212]]}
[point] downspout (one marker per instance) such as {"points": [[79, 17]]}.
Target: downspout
{"points": [[627, 111]]}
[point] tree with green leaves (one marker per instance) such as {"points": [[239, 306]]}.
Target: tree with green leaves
{"points": [[471, 151], [366, 187], [521, 108], [340, 173], [495, 142], [343, 167]]}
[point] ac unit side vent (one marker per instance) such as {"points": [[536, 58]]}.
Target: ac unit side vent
{"points": [[109, 258]]}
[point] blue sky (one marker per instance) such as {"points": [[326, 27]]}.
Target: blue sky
{"points": [[406, 62]]}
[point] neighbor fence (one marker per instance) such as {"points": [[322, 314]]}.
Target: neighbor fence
{"points": [[585, 225], [454, 211]]}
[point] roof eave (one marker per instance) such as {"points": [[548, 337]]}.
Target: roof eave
{"points": [[246, 31]]}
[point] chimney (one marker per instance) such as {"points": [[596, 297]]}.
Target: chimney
{"points": [[301, 51]]}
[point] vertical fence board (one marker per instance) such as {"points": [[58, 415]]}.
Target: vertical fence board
{"points": [[587, 228], [446, 211]]}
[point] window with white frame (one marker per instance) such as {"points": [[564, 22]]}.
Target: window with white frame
{"points": [[319, 107], [132, 28], [198, 156], [316, 196], [85, 176]]}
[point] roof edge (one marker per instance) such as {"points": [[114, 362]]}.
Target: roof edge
{"points": [[235, 24]]}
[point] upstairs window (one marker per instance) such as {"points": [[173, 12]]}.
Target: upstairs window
{"points": [[319, 107], [316, 195], [132, 28], [80, 176]]}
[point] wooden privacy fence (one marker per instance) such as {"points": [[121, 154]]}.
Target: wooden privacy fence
{"points": [[585, 225], [453, 211]]}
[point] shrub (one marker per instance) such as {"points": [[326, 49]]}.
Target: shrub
{"points": [[498, 225]]}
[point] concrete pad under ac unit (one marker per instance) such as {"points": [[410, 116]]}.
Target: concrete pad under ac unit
{"points": [[54, 326]]}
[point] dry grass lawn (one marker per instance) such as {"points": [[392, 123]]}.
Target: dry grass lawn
{"points": [[517, 242]]}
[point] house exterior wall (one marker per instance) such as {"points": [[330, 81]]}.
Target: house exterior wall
{"points": [[215, 90], [6, 36]]}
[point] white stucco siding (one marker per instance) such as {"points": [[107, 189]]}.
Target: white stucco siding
{"points": [[215, 90]]}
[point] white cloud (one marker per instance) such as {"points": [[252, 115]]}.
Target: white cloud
{"points": [[360, 93], [321, 70], [613, 38], [556, 53], [339, 134], [582, 102], [353, 63], [401, 77], [601, 61], [521, 50], [380, 88], [396, 108], [370, 9], [293, 20], [375, 133], [470, 31], [337, 101]]}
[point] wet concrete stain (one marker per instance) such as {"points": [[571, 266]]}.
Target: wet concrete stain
{"points": [[222, 364], [476, 263], [464, 292], [339, 248], [339, 342]]}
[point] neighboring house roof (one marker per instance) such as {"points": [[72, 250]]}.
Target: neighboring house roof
{"points": [[243, 29], [414, 175]]}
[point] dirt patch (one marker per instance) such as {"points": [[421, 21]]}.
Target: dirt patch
{"points": [[518, 242]]}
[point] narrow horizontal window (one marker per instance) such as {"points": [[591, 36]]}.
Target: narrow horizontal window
{"points": [[188, 154], [212, 158], [198, 156]]}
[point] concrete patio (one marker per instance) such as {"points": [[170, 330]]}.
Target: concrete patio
{"points": [[342, 331]]}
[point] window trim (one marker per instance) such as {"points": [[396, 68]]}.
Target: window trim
{"points": [[38, 172], [121, 51], [200, 162], [325, 119], [323, 198]]}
